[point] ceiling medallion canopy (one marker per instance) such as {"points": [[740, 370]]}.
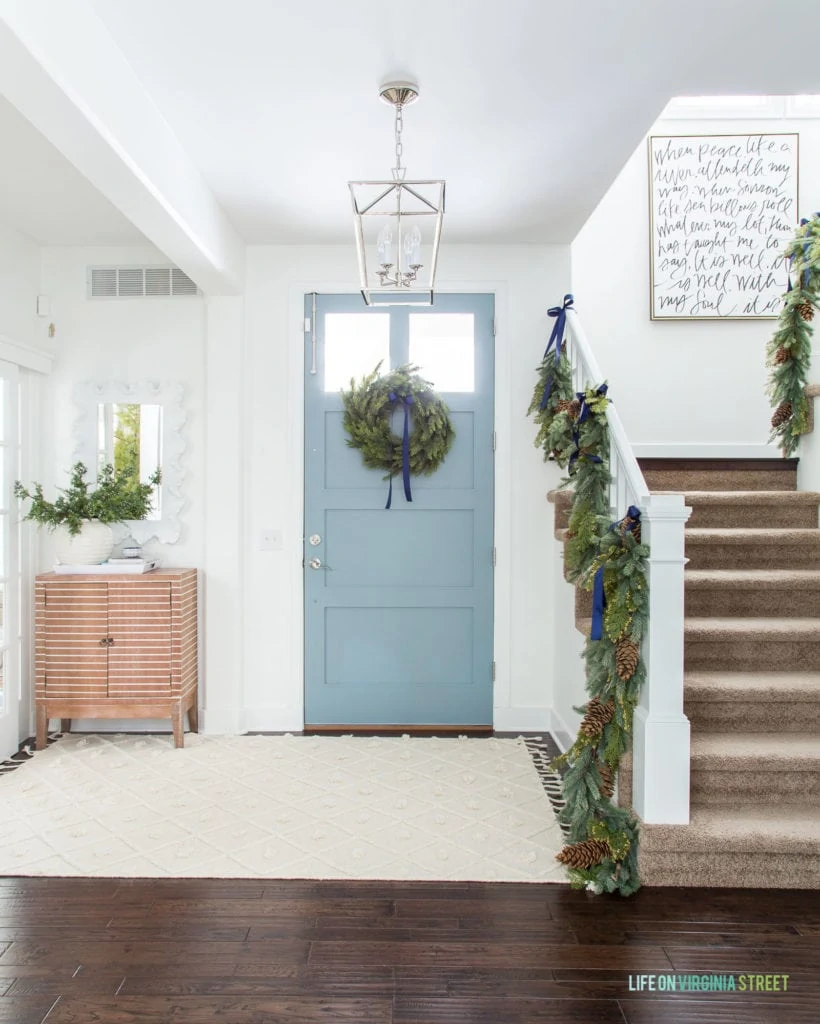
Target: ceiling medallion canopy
{"points": [[398, 224]]}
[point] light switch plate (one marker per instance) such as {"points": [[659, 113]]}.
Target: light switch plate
{"points": [[270, 540]]}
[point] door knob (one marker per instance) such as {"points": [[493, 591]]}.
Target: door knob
{"points": [[316, 563]]}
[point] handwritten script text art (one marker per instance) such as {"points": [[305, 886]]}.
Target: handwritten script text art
{"points": [[722, 208]]}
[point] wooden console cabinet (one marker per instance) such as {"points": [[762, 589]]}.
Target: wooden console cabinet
{"points": [[116, 646]]}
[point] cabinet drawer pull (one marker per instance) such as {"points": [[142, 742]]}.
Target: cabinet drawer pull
{"points": [[107, 641]]}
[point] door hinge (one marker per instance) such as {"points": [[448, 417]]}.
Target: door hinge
{"points": [[495, 557], [493, 671], [493, 326], [495, 440], [308, 325]]}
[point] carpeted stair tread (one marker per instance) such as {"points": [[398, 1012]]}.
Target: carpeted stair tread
{"points": [[726, 830], [730, 752], [734, 629], [747, 535], [752, 579], [762, 687], [710, 630], [749, 497]]}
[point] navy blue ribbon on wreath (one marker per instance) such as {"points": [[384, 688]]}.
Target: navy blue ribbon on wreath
{"points": [[406, 401], [598, 597], [583, 414], [559, 313]]}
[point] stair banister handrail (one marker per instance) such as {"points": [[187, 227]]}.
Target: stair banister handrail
{"points": [[660, 754]]}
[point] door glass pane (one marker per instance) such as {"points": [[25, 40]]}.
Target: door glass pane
{"points": [[354, 344], [443, 346]]}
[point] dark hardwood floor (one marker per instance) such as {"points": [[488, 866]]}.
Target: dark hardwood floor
{"points": [[80, 951]]}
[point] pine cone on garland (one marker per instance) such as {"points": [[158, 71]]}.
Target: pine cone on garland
{"points": [[574, 409], [563, 405], [607, 779], [627, 654], [596, 717], [806, 311], [782, 413], [586, 854], [782, 355]]}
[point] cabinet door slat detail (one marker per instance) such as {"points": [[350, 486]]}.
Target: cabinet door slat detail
{"points": [[146, 664], [71, 623], [139, 621]]}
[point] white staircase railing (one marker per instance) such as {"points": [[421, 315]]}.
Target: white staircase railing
{"points": [[660, 749]]}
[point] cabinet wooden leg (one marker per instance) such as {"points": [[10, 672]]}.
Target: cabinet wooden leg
{"points": [[177, 722], [42, 727], [193, 718], [65, 725]]}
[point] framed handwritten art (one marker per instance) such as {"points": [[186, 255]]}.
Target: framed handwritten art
{"points": [[721, 210]]}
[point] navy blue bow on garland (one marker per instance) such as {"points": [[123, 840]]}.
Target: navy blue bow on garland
{"points": [[557, 339], [583, 414], [406, 401], [633, 513]]}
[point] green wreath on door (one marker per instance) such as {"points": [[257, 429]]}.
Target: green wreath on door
{"points": [[421, 448]]}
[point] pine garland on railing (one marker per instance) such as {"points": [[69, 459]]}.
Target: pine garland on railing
{"points": [[610, 560], [553, 389], [584, 449], [788, 354]]}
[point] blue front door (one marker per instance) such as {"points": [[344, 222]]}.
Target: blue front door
{"points": [[398, 603]]}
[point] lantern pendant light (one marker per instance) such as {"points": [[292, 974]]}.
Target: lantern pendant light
{"points": [[398, 224]]}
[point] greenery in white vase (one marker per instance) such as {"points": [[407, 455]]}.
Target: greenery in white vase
{"points": [[117, 498]]}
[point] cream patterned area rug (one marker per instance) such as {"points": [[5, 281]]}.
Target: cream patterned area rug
{"points": [[280, 807]]}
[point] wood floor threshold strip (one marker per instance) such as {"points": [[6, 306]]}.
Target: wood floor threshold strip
{"points": [[394, 730]]}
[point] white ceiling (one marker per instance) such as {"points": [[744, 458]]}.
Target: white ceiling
{"points": [[527, 108], [45, 197]]}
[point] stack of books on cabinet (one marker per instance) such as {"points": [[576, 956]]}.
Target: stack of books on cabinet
{"points": [[113, 565]]}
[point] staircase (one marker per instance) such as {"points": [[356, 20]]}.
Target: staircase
{"points": [[751, 678]]}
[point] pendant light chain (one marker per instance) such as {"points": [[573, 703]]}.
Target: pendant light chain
{"points": [[398, 170]]}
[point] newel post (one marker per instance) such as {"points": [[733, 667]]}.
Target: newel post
{"points": [[661, 730]]}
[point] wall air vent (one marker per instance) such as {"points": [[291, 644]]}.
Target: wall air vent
{"points": [[138, 283]]}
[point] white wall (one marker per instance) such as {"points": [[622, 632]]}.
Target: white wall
{"points": [[19, 287], [526, 279], [242, 367], [125, 340], [128, 340], [675, 383]]}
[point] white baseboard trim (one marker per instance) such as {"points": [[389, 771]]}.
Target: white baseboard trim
{"points": [[116, 724], [561, 732], [222, 721], [534, 719], [706, 451], [274, 720]]}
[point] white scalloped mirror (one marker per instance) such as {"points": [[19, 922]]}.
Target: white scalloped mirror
{"points": [[137, 428]]}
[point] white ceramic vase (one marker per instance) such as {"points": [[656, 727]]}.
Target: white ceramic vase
{"points": [[92, 545]]}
